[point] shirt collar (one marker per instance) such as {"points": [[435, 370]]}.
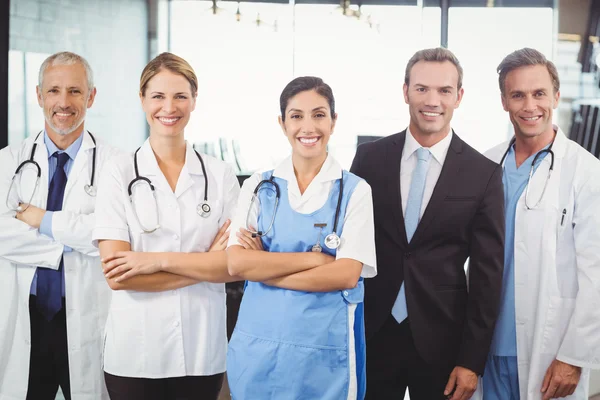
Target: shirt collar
{"points": [[71, 151], [439, 151], [331, 170]]}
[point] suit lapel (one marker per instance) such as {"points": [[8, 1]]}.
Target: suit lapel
{"points": [[393, 164], [450, 172]]}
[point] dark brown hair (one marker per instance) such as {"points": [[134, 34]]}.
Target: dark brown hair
{"points": [[303, 84]]}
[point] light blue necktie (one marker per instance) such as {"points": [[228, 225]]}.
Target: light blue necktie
{"points": [[411, 219]]}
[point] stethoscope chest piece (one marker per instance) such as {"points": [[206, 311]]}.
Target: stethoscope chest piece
{"points": [[90, 190], [203, 210], [332, 241]]}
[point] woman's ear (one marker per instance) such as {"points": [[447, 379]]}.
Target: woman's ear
{"points": [[281, 124], [333, 122]]}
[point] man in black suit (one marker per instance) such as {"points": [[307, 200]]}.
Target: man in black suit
{"points": [[437, 203]]}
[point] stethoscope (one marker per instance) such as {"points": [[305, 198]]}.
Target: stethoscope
{"points": [[90, 189], [202, 209], [535, 159], [332, 241]]}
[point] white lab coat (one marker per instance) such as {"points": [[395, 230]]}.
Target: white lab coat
{"points": [[557, 268], [23, 248], [176, 332]]}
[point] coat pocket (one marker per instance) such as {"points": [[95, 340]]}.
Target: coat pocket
{"points": [[263, 369], [558, 315]]}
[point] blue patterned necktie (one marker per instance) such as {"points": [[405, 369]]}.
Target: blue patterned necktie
{"points": [[49, 281], [411, 219]]}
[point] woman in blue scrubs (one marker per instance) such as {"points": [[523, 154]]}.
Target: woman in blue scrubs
{"points": [[300, 329]]}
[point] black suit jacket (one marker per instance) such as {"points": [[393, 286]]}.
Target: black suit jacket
{"points": [[452, 320]]}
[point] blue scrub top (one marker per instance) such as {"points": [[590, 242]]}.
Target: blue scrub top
{"points": [[515, 181]]}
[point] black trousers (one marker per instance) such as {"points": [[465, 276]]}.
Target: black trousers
{"points": [[393, 365], [181, 388], [49, 360]]}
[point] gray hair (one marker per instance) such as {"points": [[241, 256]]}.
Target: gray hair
{"points": [[523, 58], [66, 58], [438, 54]]}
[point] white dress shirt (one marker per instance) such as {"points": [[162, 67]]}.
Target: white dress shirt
{"points": [[358, 235], [178, 332], [409, 163]]}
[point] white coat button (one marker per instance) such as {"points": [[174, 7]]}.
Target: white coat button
{"points": [[345, 293], [176, 324], [175, 237]]}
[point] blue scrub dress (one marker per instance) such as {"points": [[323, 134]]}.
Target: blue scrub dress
{"points": [[291, 344]]}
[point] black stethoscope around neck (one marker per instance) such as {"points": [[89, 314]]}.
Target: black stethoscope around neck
{"points": [[90, 189], [203, 209], [332, 241], [532, 168]]}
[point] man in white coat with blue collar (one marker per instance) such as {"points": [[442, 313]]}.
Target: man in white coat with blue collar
{"points": [[547, 337], [52, 290]]}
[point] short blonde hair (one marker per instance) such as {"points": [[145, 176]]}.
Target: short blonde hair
{"points": [[172, 63], [438, 54], [523, 58]]}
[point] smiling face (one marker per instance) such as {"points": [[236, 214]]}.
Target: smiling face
{"points": [[168, 103], [65, 97], [432, 96], [308, 124], [530, 100]]}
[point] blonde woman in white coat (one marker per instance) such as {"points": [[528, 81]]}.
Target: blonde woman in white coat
{"points": [[161, 229]]}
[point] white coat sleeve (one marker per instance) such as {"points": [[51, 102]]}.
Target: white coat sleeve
{"points": [[231, 192], [75, 230], [111, 219], [358, 235], [19, 242], [581, 343], [240, 213]]}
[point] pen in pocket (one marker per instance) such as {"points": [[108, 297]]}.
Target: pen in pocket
{"points": [[562, 220]]}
